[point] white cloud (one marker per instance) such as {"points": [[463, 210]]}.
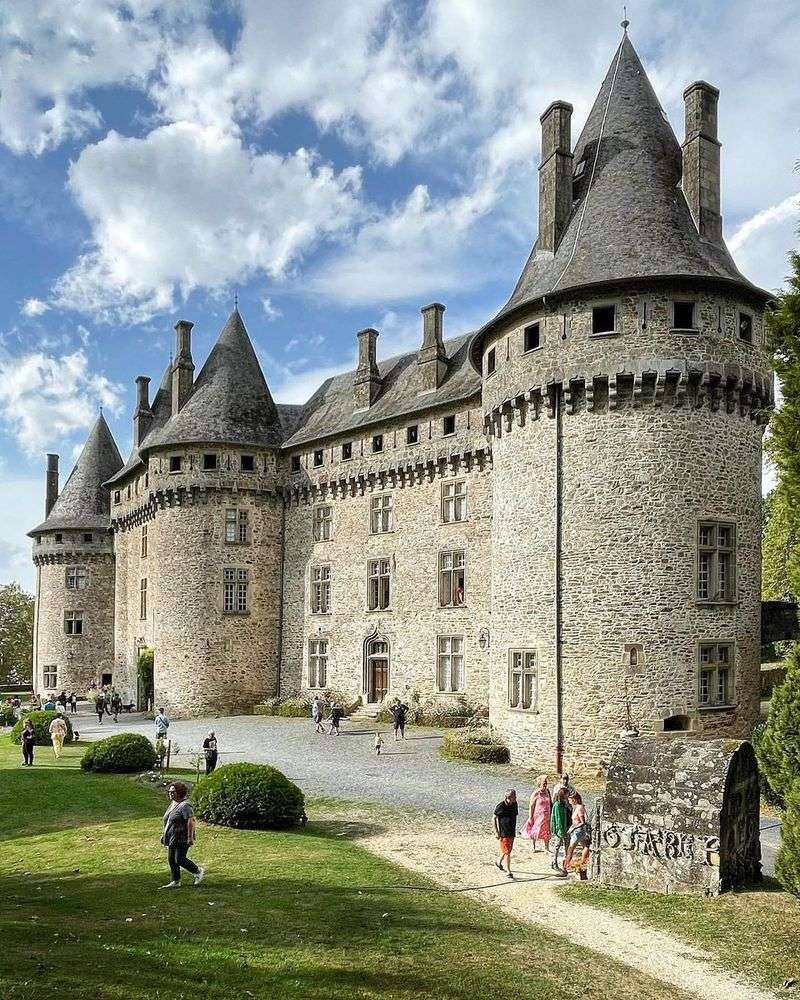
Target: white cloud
{"points": [[34, 307], [190, 206], [761, 243], [789, 208], [44, 399], [270, 311]]}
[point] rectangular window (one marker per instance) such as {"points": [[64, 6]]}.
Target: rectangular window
{"points": [[144, 541], [746, 327], [247, 463], [378, 584], [454, 501], [143, 599], [683, 315], [209, 462], [347, 451], [50, 678], [604, 319], [77, 578], [451, 578], [523, 688], [117, 496], [323, 523], [450, 663], [318, 458], [235, 591], [715, 674], [88, 537], [412, 434], [377, 442], [175, 462], [716, 561], [73, 622], [295, 463], [237, 524], [317, 663], [381, 514], [59, 539], [320, 590], [531, 338], [449, 424], [491, 362]]}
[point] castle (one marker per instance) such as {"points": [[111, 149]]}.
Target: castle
{"points": [[558, 515]]}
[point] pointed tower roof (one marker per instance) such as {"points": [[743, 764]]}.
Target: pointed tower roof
{"points": [[629, 216], [230, 402], [84, 502]]}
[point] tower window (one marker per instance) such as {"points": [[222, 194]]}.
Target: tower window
{"points": [[449, 424], [77, 578], [381, 514], [295, 463], [715, 674], [143, 599], [377, 442], [451, 578], [320, 590], [317, 663], [491, 362], [716, 561], [454, 501], [604, 319], [450, 665], [378, 585], [88, 537], [60, 537], [50, 677], [683, 316], [531, 338], [323, 523], [248, 463], [347, 451], [746, 327], [236, 526], [175, 462], [318, 458], [73, 623], [235, 585], [117, 496], [209, 462], [522, 679], [412, 434], [144, 541]]}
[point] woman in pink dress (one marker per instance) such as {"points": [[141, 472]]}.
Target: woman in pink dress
{"points": [[537, 826]]}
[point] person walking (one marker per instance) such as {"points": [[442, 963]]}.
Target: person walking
{"points": [[399, 712], [62, 700], [210, 751], [116, 705], [504, 823], [336, 717], [180, 829], [162, 724], [537, 826], [578, 827], [378, 744], [73, 703], [28, 743], [559, 824], [58, 733], [100, 707], [316, 714]]}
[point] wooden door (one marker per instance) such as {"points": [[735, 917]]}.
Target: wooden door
{"points": [[378, 679]]}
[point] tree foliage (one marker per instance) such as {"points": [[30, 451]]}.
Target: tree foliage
{"points": [[778, 745], [16, 632], [787, 864], [780, 548]]}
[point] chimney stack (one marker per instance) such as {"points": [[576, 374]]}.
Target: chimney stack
{"points": [[432, 358], [183, 366], [51, 494], [143, 415], [555, 176], [701, 159], [367, 382]]}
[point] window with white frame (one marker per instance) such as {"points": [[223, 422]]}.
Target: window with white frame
{"points": [[523, 682], [320, 590], [50, 677], [317, 663], [451, 578], [716, 561], [235, 585], [454, 500], [715, 674], [381, 514], [143, 598], [378, 584], [144, 541], [236, 526], [450, 663], [77, 578], [73, 623], [323, 523]]}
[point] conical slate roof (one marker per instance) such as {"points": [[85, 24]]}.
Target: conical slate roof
{"points": [[629, 216], [161, 405], [84, 502], [230, 402]]}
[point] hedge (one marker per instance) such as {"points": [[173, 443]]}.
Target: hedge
{"points": [[476, 746], [288, 708], [122, 754], [41, 726], [249, 796]]}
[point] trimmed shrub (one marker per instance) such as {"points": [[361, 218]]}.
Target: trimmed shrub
{"points": [[8, 715], [777, 745], [288, 708], [41, 727], [476, 745], [122, 754], [787, 864], [250, 796]]}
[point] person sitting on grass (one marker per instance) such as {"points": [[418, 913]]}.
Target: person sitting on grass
{"points": [[180, 828], [504, 823]]}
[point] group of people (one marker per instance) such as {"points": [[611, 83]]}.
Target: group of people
{"points": [[318, 716], [108, 701], [558, 819], [58, 733], [210, 745]]}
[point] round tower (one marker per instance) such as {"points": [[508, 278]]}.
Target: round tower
{"points": [[625, 383]]}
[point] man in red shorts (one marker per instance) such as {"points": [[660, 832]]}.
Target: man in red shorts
{"points": [[504, 822]]}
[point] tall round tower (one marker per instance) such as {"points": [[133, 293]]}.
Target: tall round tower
{"points": [[73, 551], [625, 383]]}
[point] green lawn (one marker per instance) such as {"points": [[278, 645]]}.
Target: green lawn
{"points": [[281, 915], [756, 933]]}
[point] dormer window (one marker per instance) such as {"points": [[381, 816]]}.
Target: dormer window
{"points": [[175, 463], [295, 463], [604, 319], [746, 327], [318, 457], [579, 170], [248, 463], [683, 316], [491, 362], [531, 338], [377, 442], [209, 462], [412, 434]]}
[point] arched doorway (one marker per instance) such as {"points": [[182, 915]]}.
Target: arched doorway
{"points": [[376, 667]]}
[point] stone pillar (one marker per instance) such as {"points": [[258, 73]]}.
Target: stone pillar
{"points": [[367, 382], [183, 366], [432, 358], [701, 154], [555, 176]]}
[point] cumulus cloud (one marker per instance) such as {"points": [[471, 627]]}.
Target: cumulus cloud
{"points": [[34, 307], [45, 398]]}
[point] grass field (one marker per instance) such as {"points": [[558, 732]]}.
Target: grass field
{"points": [[289, 915]]}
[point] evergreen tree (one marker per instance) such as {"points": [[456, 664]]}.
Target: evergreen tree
{"points": [[778, 745], [780, 548], [16, 632], [787, 864]]}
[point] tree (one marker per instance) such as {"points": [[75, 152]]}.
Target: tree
{"points": [[780, 548], [787, 863], [16, 632], [778, 745]]}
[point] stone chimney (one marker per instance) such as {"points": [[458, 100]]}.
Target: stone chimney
{"points": [[143, 415], [432, 358], [367, 382], [183, 366], [555, 176], [701, 159], [51, 493]]}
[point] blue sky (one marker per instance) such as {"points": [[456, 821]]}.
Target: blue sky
{"points": [[339, 163]]}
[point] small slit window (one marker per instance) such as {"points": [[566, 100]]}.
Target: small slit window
{"points": [[491, 362], [604, 319], [531, 338], [347, 451], [746, 328], [683, 315], [209, 462], [449, 424], [412, 434]]}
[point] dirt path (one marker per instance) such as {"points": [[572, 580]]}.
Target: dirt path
{"points": [[464, 862]]}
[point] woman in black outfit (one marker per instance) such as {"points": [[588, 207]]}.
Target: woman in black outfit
{"points": [[210, 752], [28, 742]]}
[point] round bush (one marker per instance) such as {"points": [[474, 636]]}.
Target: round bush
{"points": [[251, 796], [41, 727], [474, 746], [121, 754]]}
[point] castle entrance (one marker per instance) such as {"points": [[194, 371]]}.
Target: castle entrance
{"points": [[376, 669]]}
